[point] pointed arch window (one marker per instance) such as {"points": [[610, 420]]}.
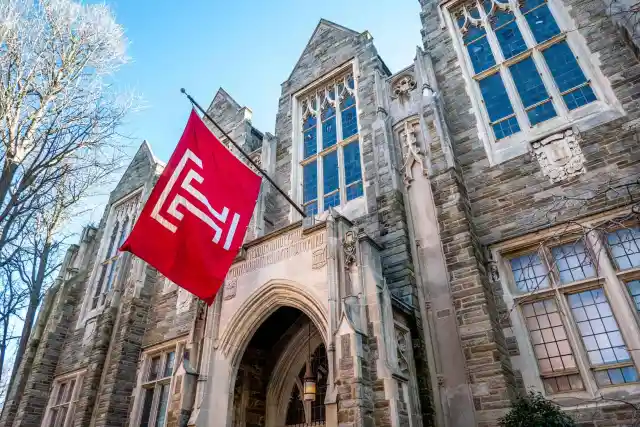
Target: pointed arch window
{"points": [[529, 77], [331, 163], [118, 226]]}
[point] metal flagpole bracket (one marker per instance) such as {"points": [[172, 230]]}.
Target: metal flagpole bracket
{"points": [[254, 164]]}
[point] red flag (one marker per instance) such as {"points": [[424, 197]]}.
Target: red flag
{"points": [[197, 215]]}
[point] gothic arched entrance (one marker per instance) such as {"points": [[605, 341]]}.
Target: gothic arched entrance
{"points": [[268, 388]]}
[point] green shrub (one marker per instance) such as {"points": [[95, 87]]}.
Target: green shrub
{"points": [[534, 410]]}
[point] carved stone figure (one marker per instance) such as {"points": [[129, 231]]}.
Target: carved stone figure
{"points": [[411, 152], [349, 247], [230, 288], [403, 359]]}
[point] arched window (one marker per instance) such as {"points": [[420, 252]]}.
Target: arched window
{"points": [[526, 70], [106, 266], [118, 226], [331, 164]]}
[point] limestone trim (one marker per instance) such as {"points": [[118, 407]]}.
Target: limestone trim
{"points": [[63, 399], [604, 109], [278, 249], [260, 305], [403, 84], [285, 374], [606, 276]]}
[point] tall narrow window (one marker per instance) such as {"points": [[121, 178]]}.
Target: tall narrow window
{"points": [[119, 225], [331, 164], [551, 346], [520, 58]]}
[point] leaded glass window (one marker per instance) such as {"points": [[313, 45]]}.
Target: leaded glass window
{"points": [[573, 262], [529, 273], [602, 338], [551, 346], [624, 245], [331, 163], [522, 62], [562, 294]]}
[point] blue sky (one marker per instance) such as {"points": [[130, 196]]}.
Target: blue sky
{"points": [[249, 47], [246, 46]]}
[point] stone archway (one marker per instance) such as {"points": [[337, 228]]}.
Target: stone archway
{"points": [[236, 336], [260, 305], [267, 390]]}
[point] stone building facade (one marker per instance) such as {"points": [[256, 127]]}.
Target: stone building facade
{"points": [[472, 233]]}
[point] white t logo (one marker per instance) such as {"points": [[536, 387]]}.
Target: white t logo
{"points": [[179, 200]]}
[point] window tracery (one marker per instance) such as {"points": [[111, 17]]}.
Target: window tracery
{"points": [[331, 165], [118, 227], [527, 75]]}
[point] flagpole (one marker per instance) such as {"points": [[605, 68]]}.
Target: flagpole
{"points": [[255, 165]]}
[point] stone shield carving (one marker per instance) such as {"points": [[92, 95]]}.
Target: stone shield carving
{"points": [[559, 155]]}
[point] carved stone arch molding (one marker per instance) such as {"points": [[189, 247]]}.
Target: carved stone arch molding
{"points": [[259, 306], [285, 373]]}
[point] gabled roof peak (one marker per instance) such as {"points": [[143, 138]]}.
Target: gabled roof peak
{"points": [[324, 25]]}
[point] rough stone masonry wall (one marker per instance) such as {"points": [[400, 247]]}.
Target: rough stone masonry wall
{"points": [[480, 204], [504, 199], [115, 399], [34, 400]]}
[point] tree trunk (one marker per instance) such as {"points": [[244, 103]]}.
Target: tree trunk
{"points": [[3, 348], [34, 302], [8, 172]]}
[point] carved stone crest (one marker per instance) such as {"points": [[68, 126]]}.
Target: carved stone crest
{"points": [[319, 258], [559, 155], [403, 85], [230, 288], [411, 151]]}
